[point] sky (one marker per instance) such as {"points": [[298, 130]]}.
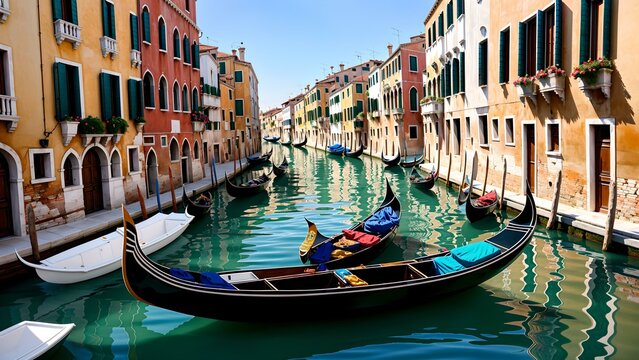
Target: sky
{"points": [[293, 42]]}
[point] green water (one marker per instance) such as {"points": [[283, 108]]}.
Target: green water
{"points": [[562, 298]]}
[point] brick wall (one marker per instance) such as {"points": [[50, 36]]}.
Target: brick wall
{"points": [[627, 202]]}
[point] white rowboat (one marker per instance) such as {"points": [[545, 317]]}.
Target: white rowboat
{"points": [[102, 255], [30, 339]]}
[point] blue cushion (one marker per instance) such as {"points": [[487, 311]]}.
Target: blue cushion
{"points": [[474, 254], [446, 265], [214, 280], [322, 254], [381, 221], [181, 274]]}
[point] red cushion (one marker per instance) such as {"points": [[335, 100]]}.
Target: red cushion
{"points": [[361, 237], [487, 199]]}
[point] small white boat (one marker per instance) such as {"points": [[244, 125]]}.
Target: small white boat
{"points": [[30, 339], [102, 255]]}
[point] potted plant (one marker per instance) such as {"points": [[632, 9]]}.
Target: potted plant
{"points": [[432, 105], [139, 123], [199, 119], [594, 74], [553, 78], [69, 126], [116, 126], [91, 125], [525, 86]]}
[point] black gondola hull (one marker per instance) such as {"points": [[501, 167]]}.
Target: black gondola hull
{"points": [[476, 213], [355, 154], [244, 191], [391, 162], [194, 208], [301, 144]]}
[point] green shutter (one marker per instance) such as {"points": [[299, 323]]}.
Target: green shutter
{"points": [[187, 50], [413, 63], [112, 34], [196, 55], [105, 19], [441, 23], [133, 98], [162, 35], [502, 56], [239, 108], [74, 73], [413, 99], [74, 12], [146, 27], [607, 19], [462, 71], [541, 48], [359, 89], [521, 69], [176, 45], [135, 40], [105, 96], [558, 32], [57, 9], [455, 76], [584, 34], [480, 58], [449, 13], [61, 91], [140, 99], [319, 112], [239, 76], [460, 8], [449, 88]]}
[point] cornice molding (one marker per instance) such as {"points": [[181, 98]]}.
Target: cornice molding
{"points": [[182, 14]]}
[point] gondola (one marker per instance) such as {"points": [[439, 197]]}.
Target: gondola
{"points": [[281, 169], [272, 139], [474, 211], [256, 160], [286, 143], [198, 206], [249, 188], [410, 161], [355, 154], [301, 144], [391, 161], [303, 293], [337, 149], [315, 241], [424, 183]]}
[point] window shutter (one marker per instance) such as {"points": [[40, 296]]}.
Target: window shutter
{"points": [[196, 101], [61, 91], [441, 24], [135, 41], [111, 8], [607, 19], [558, 32], [176, 45], [502, 57], [462, 71], [413, 99], [196, 56], [449, 13], [584, 34], [105, 96], [481, 64], [74, 12], [521, 70], [105, 19], [460, 8], [75, 85], [57, 9], [162, 35], [442, 79], [146, 27], [187, 50], [140, 99], [455, 76], [540, 40], [133, 98]]}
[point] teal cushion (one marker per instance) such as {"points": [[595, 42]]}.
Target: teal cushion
{"points": [[474, 254], [446, 265]]}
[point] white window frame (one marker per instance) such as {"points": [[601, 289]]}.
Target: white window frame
{"points": [[145, 137], [166, 42], [80, 79], [557, 122], [112, 73], [48, 166], [467, 123], [479, 136], [138, 168], [9, 70], [416, 132], [494, 135], [512, 128], [164, 141], [417, 61]]}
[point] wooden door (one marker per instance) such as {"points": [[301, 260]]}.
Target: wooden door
{"points": [[602, 167], [529, 161], [92, 181], [6, 219]]}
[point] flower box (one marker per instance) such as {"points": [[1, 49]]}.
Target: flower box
{"points": [[69, 130], [103, 139], [434, 108], [601, 79], [527, 91], [198, 126], [552, 83]]}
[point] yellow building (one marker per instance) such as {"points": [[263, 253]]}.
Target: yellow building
{"points": [[354, 112], [317, 112], [226, 148], [301, 132]]}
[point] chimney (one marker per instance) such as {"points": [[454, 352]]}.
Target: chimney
{"points": [[341, 67], [234, 52], [332, 67], [242, 51], [390, 49]]}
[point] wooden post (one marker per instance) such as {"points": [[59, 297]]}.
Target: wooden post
{"points": [[552, 219], [463, 179], [450, 165], [172, 190], [157, 194], [483, 190], [142, 204], [33, 236], [612, 210], [503, 186]]}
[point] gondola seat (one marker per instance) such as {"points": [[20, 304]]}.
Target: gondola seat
{"points": [[322, 254], [382, 221], [362, 238], [446, 265], [487, 199], [208, 279], [476, 253], [347, 244], [182, 274]]}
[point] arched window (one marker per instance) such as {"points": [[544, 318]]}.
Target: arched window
{"points": [[146, 25], [195, 52], [196, 151], [116, 165], [187, 50], [455, 76], [71, 169], [414, 101], [164, 103], [185, 98], [176, 96], [176, 44], [430, 90], [175, 151], [162, 34], [195, 102], [149, 93]]}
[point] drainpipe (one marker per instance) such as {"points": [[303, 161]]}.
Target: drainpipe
{"points": [[44, 114]]}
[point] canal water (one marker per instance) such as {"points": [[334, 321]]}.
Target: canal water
{"points": [[562, 298]]}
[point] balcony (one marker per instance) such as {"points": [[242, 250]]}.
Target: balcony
{"points": [[66, 31], [436, 52], [387, 112], [461, 28], [8, 111], [433, 108], [398, 111], [209, 101], [4, 10], [136, 58], [109, 46]]}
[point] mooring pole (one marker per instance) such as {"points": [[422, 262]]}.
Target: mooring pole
{"points": [[463, 179], [33, 236], [503, 186], [612, 210], [157, 194], [142, 204], [450, 165], [552, 219], [172, 190], [483, 190]]}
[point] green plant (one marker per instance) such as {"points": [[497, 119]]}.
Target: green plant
{"points": [[116, 125], [429, 99], [589, 68], [524, 80], [139, 120], [91, 125], [72, 118], [552, 69]]}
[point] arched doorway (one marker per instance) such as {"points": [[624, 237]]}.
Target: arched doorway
{"points": [[186, 162], [92, 181], [6, 219], [151, 172]]}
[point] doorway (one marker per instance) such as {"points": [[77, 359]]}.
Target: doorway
{"points": [[602, 168], [152, 173], [529, 156], [92, 182], [6, 218]]}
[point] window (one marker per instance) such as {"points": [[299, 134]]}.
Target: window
{"points": [[239, 76], [359, 88], [71, 169], [135, 39], [412, 132], [187, 6], [412, 66], [134, 160], [230, 94], [595, 33], [483, 130], [149, 92], [176, 44], [548, 35], [162, 34], [467, 128], [108, 19], [196, 151], [346, 79], [483, 63], [450, 15], [185, 99], [414, 101], [175, 151], [195, 102], [146, 25], [223, 68], [553, 145], [195, 52], [456, 137], [455, 72], [148, 140], [110, 96], [164, 104], [41, 165], [239, 107], [460, 8], [116, 165], [176, 97], [136, 106], [66, 10], [186, 43], [5, 73], [504, 56], [495, 126], [396, 130], [68, 94], [163, 141], [510, 131]]}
